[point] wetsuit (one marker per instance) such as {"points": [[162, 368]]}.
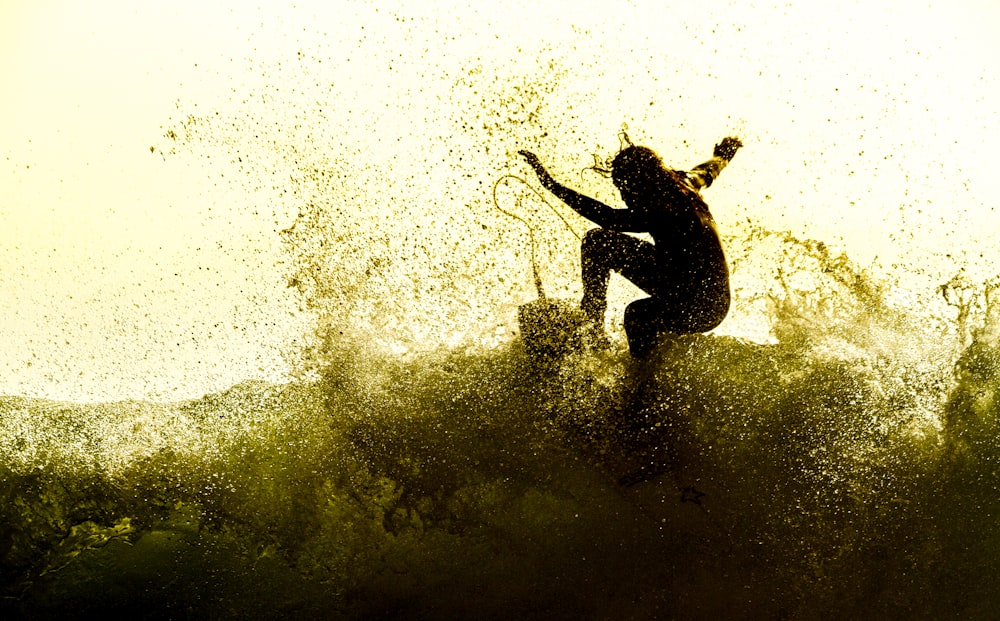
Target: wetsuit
{"points": [[684, 270]]}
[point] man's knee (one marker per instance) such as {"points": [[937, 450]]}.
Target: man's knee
{"points": [[595, 238]]}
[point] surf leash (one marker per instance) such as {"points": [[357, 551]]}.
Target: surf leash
{"points": [[527, 225]]}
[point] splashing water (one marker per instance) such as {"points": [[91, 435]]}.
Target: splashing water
{"points": [[844, 465]]}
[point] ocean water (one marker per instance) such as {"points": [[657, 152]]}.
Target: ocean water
{"points": [[843, 463]]}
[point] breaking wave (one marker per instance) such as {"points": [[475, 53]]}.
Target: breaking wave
{"points": [[843, 463]]}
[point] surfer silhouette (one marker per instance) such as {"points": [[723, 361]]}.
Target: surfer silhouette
{"points": [[684, 270]]}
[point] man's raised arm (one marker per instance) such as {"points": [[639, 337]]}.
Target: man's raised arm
{"points": [[702, 175]]}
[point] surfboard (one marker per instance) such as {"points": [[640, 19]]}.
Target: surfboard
{"points": [[550, 329]]}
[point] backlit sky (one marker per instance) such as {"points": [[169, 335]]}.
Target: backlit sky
{"points": [[126, 274]]}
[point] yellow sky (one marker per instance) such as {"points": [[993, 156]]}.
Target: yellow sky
{"points": [[126, 273]]}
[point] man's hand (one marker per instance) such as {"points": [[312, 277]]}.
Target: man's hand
{"points": [[543, 175], [531, 158], [727, 148]]}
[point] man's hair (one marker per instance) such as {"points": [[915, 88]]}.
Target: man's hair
{"points": [[639, 165], [644, 172]]}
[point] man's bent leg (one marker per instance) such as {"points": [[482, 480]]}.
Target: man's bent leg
{"points": [[645, 319], [603, 251]]}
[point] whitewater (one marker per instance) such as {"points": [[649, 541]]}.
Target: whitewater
{"points": [[845, 466]]}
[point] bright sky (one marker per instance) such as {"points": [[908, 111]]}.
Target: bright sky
{"points": [[127, 274]]}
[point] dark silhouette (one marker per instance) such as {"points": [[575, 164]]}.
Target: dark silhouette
{"points": [[684, 271]]}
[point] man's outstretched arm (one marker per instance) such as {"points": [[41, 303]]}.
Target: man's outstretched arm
{"points": [[593, 210], [703, 175]]}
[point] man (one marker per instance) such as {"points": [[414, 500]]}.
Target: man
{"points": [[684, 270]]}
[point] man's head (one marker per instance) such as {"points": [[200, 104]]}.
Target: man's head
{"points": [[636, 170], [646, 184], [638, 173]]}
